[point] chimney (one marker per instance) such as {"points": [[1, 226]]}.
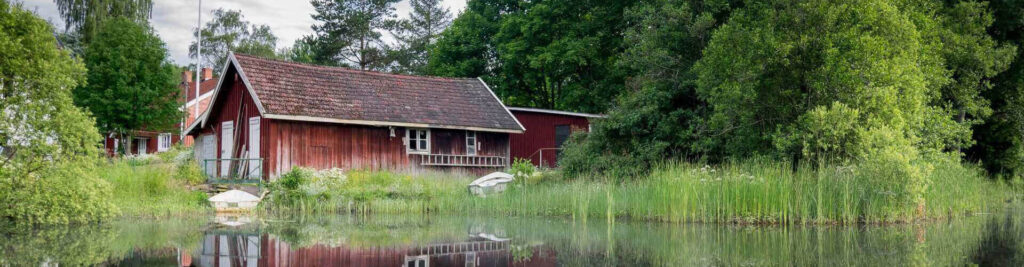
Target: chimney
{"points": [[186, 76], [207, 74]]}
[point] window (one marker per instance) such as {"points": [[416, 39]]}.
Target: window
{"points": [[418, 141], [471, 143], [163, 142]]}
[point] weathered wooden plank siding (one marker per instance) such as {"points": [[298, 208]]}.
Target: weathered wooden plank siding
{"points": [[540, 133], [323, 145]]}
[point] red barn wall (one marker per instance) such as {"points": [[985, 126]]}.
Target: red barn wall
{"points": [[315, 145], [540, 133]]}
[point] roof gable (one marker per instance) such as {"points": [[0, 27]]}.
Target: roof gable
{"points": [[287, 90]]}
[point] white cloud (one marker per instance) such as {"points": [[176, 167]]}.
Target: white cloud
{"points": [[175, 19]]}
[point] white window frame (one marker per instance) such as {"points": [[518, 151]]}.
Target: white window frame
{"points": [[471, 143], [412, 134], [163, 142]]}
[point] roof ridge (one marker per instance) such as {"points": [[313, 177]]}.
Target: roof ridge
{"points": [[346, 69]]}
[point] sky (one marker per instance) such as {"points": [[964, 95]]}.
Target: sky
{"points": [[174, 19]]}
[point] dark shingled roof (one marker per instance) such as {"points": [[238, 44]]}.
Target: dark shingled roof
{"points": [[287, 88]]}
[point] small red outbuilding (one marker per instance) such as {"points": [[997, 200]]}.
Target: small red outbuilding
{"points": [[546, 131]]}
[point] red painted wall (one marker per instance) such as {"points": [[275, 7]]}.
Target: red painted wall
{"points": [[327, 145], [540, 133]]}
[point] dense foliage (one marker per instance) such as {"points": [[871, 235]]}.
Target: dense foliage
{"points": [[808, 82], [550, 54], [82, 19], [132, 85], [47, 145]]}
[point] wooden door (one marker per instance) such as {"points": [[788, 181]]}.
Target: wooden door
{"points": [[254, 148], [227, 145]]}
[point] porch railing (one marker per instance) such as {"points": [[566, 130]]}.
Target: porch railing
{"points": [[233, 170], [462, 160], [540, 152]]}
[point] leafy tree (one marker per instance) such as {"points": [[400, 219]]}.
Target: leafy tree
{"points": [[85, 17], [349, 31], [47, 144], [1000, 139], [549, 54], [131, 83], [465, 48], [229, 31], [658, 117], [417, 34]]}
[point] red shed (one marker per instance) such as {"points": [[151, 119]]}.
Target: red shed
{"points": [[267, 116], [546, 131]]}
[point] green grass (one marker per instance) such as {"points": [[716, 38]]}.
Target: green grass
{"points": [[749, 192], [158, 187]]}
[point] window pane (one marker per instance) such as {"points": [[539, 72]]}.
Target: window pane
{"points": [[423, 134], [423, 144], [412, 143]]}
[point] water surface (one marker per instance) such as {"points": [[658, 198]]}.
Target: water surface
{"points": [[415, 240]]}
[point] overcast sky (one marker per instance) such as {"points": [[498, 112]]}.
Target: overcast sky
{"points": [[175, 19]]}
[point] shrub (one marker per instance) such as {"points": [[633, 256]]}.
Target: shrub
{"points": [[522, 169], [68, 192], [189, 172]]}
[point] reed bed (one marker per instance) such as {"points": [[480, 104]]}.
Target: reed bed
{"points": [[750, 192]]}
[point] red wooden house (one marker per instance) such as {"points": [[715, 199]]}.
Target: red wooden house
{"points": [[268, 116], [549, 129]]}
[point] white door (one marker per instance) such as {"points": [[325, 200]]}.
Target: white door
{"points": [[207, 150], [142, 146], [227, 145], [254, 147]]}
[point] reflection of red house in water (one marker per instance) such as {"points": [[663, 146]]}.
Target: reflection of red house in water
{"points": [[221, 250]]}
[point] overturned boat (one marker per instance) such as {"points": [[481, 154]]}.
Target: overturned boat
{"points": [[234, 201], [496, 182]]}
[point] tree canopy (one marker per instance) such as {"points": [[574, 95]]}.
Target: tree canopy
{"points": [[348, 32], [229, 31], [85, 17], [131, 83], [417, 34], [548, 54]]}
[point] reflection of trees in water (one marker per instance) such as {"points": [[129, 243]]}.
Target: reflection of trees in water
{"points": [[92, 244], [1002, 244], [63, 246]]}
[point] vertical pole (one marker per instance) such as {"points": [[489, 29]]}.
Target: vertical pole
{"points": [[199, 52]]}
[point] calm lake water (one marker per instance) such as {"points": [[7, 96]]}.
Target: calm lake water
{"points": [[987, 240]]}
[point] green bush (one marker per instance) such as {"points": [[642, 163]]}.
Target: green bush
{"points": [[68, 192], [522, 169]]}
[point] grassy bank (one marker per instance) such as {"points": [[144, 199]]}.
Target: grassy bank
{"points": [[742, 192], [155, 186]]}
